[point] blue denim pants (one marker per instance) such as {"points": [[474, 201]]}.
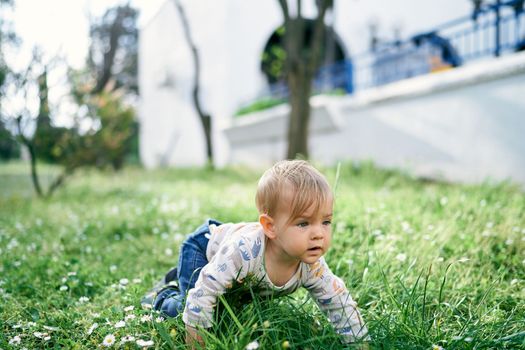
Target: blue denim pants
{"points": [[192, 258]]}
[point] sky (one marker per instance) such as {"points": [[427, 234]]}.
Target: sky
{"points": [[61, 26]]}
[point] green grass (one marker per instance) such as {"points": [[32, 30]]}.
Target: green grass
{"points": [[429, 263]]}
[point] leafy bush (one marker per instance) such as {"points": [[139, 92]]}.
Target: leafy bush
{"points": [[260, 105]]}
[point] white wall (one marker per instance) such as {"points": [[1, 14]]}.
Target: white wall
{"points": [[229, 45], [169, 129], [466, 124]]}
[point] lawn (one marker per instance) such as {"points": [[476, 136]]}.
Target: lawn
{"points": [[431, 264]]}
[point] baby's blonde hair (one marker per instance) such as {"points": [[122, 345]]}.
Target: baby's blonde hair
{"points": [[308, 185]]}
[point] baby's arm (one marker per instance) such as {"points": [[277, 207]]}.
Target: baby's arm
{"points": [[330, 293], [215, 278]]}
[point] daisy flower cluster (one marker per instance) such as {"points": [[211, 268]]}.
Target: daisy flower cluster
{"points": [[31, 331], [114, 332]]}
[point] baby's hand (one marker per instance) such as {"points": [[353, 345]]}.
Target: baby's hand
{"points": [[359, 346], [193, 338]]}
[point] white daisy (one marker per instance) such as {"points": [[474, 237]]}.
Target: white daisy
{"points": [[253, 345], [63, 288], [145, 318], [83, 299], [129, 308], [109, 340], [127, 339], [120, 324], [15, 340], [401, 257], [124, 282], [129, 317], [44, 336], [92, 328], [144, 343]]}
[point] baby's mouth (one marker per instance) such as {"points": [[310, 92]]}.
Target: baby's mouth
{"points": [[315, 249]]}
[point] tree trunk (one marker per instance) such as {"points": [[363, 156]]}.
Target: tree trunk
{"points": [[32, 157], [301, 65], [205, 118], [109, 56], [299, 82], [34, 174]]}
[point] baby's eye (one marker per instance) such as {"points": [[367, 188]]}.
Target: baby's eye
{"points": [[302, 224], [327, 222]]}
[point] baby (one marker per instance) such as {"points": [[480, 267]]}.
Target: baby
{"points": [[278, 254]]}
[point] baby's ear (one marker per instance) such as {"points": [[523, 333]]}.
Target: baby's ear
{"points": [[268, 226]]}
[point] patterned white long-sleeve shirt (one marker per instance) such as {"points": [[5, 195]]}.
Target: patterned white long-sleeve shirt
{"points": [[236, 251]]}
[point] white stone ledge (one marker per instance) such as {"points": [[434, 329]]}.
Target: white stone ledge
{"points": [[272, 124], [470, 74]]}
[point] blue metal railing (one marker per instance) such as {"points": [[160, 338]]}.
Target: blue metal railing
{"points": [[492, 30], [336, 77], [497, 29]]}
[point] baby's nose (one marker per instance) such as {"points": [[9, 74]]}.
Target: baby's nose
{"points": [[317, 234]]}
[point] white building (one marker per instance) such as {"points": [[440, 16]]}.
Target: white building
{"points": [[464, 124]]}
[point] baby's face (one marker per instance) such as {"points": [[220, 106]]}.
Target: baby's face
{"points": [[307, 237]]}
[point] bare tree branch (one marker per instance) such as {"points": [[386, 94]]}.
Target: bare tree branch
{"points": [[24, 118], [59, 180], [32, 156], [319, 31], [284, 7], [109, 56], [204, 117]]}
